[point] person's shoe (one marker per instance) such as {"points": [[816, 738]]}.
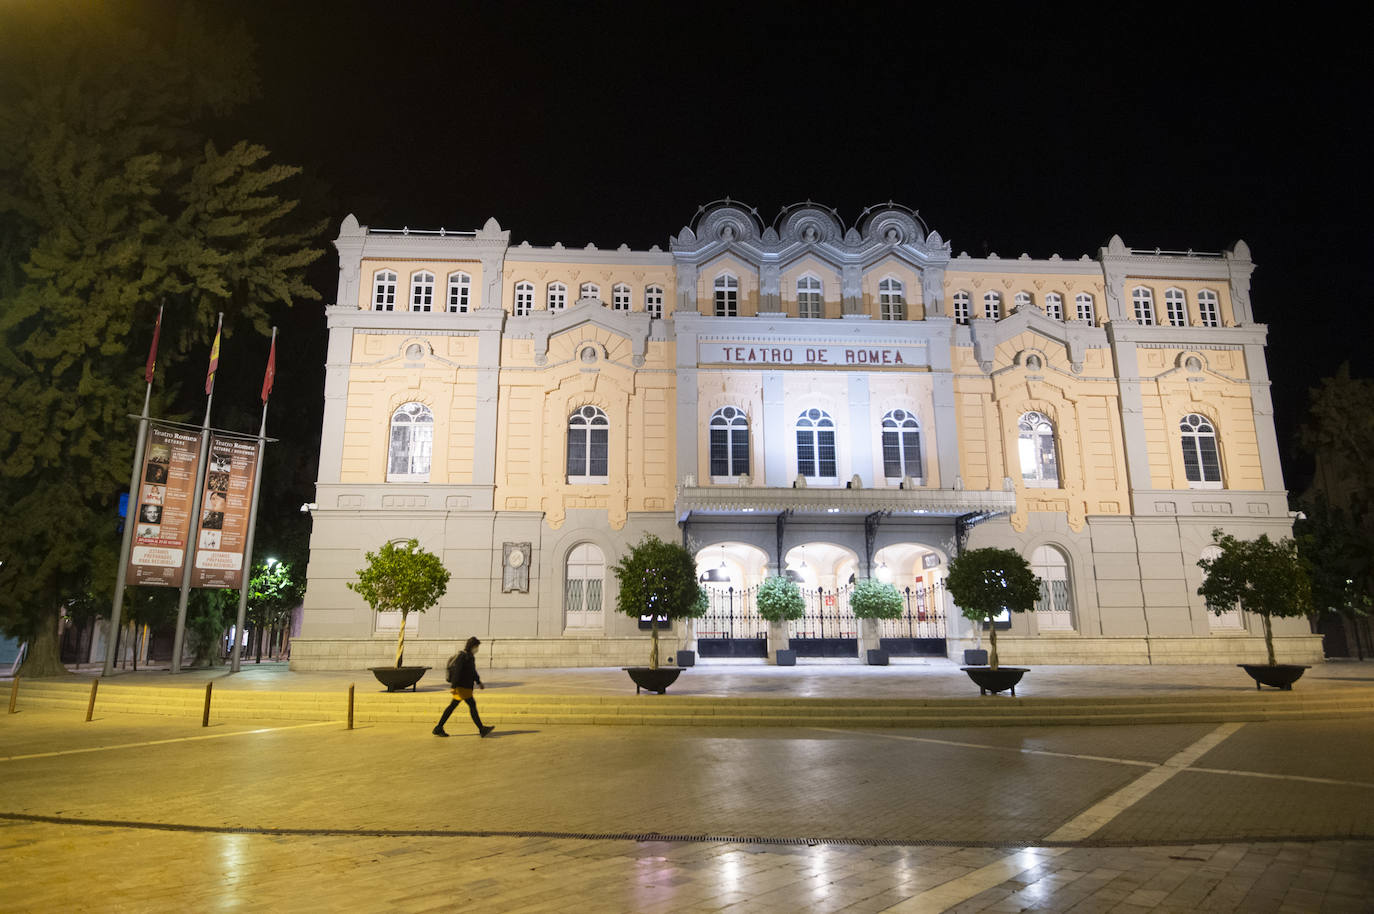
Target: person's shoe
{"points": [[438, 731], [482, 730]]}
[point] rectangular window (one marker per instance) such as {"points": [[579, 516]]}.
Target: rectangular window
{"points": [[740, 453], [808, 304], [806, 453], [600, 456], [577, 454], [720, 452], [653, 302], [826, 448], [892, 455]]}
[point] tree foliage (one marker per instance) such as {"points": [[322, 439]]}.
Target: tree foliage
{"points": [[986, 581], [113, 200], [780, 599], [273, 592], [873, 599], [658, 580], [401, 578], [1264, 577]]}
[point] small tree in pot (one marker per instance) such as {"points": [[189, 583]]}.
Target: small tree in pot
{"points": [[780, 601], [1266, 578], [870, 601], [658, 580], [401, 577], [984, 582]]}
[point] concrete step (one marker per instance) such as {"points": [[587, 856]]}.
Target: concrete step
{"points": [[670, 710]]}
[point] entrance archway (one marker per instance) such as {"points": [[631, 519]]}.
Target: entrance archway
{"points": [[825, 572], [730, 573], [918, 572]]}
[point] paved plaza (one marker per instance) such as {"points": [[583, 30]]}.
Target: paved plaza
{"points": [[141, 812]]}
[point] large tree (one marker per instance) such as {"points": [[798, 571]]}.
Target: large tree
{"points": [[114, 198]]}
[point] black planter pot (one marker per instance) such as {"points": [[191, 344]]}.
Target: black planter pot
{"points": [[786, 656], [397, 678], [975, 656], [1280, 675], [686, 658], [1002, 679], [652, 680], [877, 658]]}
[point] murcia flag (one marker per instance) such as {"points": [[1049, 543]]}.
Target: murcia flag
{"points": [[271, 374], [152, 350], [214, 358]]}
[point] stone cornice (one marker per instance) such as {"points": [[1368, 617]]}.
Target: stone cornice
{"points": [[827, 501], [346, 318], [527, 253], [1119, 331]]}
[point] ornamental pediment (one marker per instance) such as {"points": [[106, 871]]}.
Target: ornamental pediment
{"points": [[542, 326]]}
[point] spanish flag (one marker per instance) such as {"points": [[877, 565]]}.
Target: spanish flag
{"points": [[214, 358], [152, 351], [271, 374]]}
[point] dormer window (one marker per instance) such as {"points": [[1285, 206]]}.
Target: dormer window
{"points": [[557, 296], [620, 297], [384, 291], [459, 293], [727, 295], [891, 300], [808, 296], [422, 292]]}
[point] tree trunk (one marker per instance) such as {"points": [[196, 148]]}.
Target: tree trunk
{"points": [[1269, 640], [43, 658], [992, 642], [257, 650], [401, 641], [653, 649]]}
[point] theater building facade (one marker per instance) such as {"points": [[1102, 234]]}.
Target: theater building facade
{"points": [[810, 397]]}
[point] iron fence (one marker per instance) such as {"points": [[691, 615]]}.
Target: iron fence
{"points": [[827, 615], [731, 613], [923, 616]]}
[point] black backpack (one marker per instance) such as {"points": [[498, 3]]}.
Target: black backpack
{"points": [[453, 666]]}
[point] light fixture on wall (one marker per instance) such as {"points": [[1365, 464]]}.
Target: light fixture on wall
{"points": [[884, 573]]}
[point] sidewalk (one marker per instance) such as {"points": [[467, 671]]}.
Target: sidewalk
{"points": [[934, 678]]}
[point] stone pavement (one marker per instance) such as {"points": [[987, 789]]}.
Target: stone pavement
{"points": [[136, 812]]}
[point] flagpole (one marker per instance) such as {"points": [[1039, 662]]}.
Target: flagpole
{"points": [[179, 639], [122, 575], [246, 576]]}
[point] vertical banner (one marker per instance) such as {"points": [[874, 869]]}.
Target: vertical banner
{"points": [[162, 516], [223, 529]]}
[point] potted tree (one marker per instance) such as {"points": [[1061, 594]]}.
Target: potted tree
{"points": [[1266, 578], [780, 601], [873, 600], [983, 582], [401, 577], [657, 580]]}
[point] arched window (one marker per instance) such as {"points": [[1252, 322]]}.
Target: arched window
{"points": [[589, 290], [963, 307], [1039, 465], [588, 445], [412, 440], [524, 298], [1201, 462], [586, 578], [1176, 307], [808, 297], [1054, 306], [422, 291], [1021, 300], [1207, 309], [1144, 301], [729, 433], [459, 292], [653, 301], [816, 445], [1054, 609], [384, 291], [557, 296], [891, 300], [1084, 303], [1231, 620], [620, 297], [727, 296], [901, 445], [992, 306]]}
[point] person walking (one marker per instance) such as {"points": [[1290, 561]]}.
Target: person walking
{"points": [[462, 675]]}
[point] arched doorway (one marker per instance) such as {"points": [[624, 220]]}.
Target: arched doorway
{"points": [[918, 572], [730, 573], [825, 572]]}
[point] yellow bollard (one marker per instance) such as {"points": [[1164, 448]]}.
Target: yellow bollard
{"points": [[205, 718], [350, 706], [90, 705]]}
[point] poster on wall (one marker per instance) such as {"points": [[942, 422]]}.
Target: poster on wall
{"points": [[162, 514], [222, 532]]}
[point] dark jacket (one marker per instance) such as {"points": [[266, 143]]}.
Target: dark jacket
{"points": [[465, 668]]}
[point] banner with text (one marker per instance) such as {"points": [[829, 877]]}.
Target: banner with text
{"points": [[162, 516], [228, 497]]}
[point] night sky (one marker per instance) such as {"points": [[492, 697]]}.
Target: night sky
{"points": [[1010, 132]]}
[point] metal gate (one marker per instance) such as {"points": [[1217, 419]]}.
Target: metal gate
{"points": [[732, 626], [921, 629], [828, 628]]}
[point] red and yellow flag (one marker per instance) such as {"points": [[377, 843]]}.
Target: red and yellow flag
{"points": [[214, 358], [152, 350], [271, 374]]}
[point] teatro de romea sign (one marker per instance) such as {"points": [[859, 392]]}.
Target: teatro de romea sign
{"points": [[843, 356]]}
